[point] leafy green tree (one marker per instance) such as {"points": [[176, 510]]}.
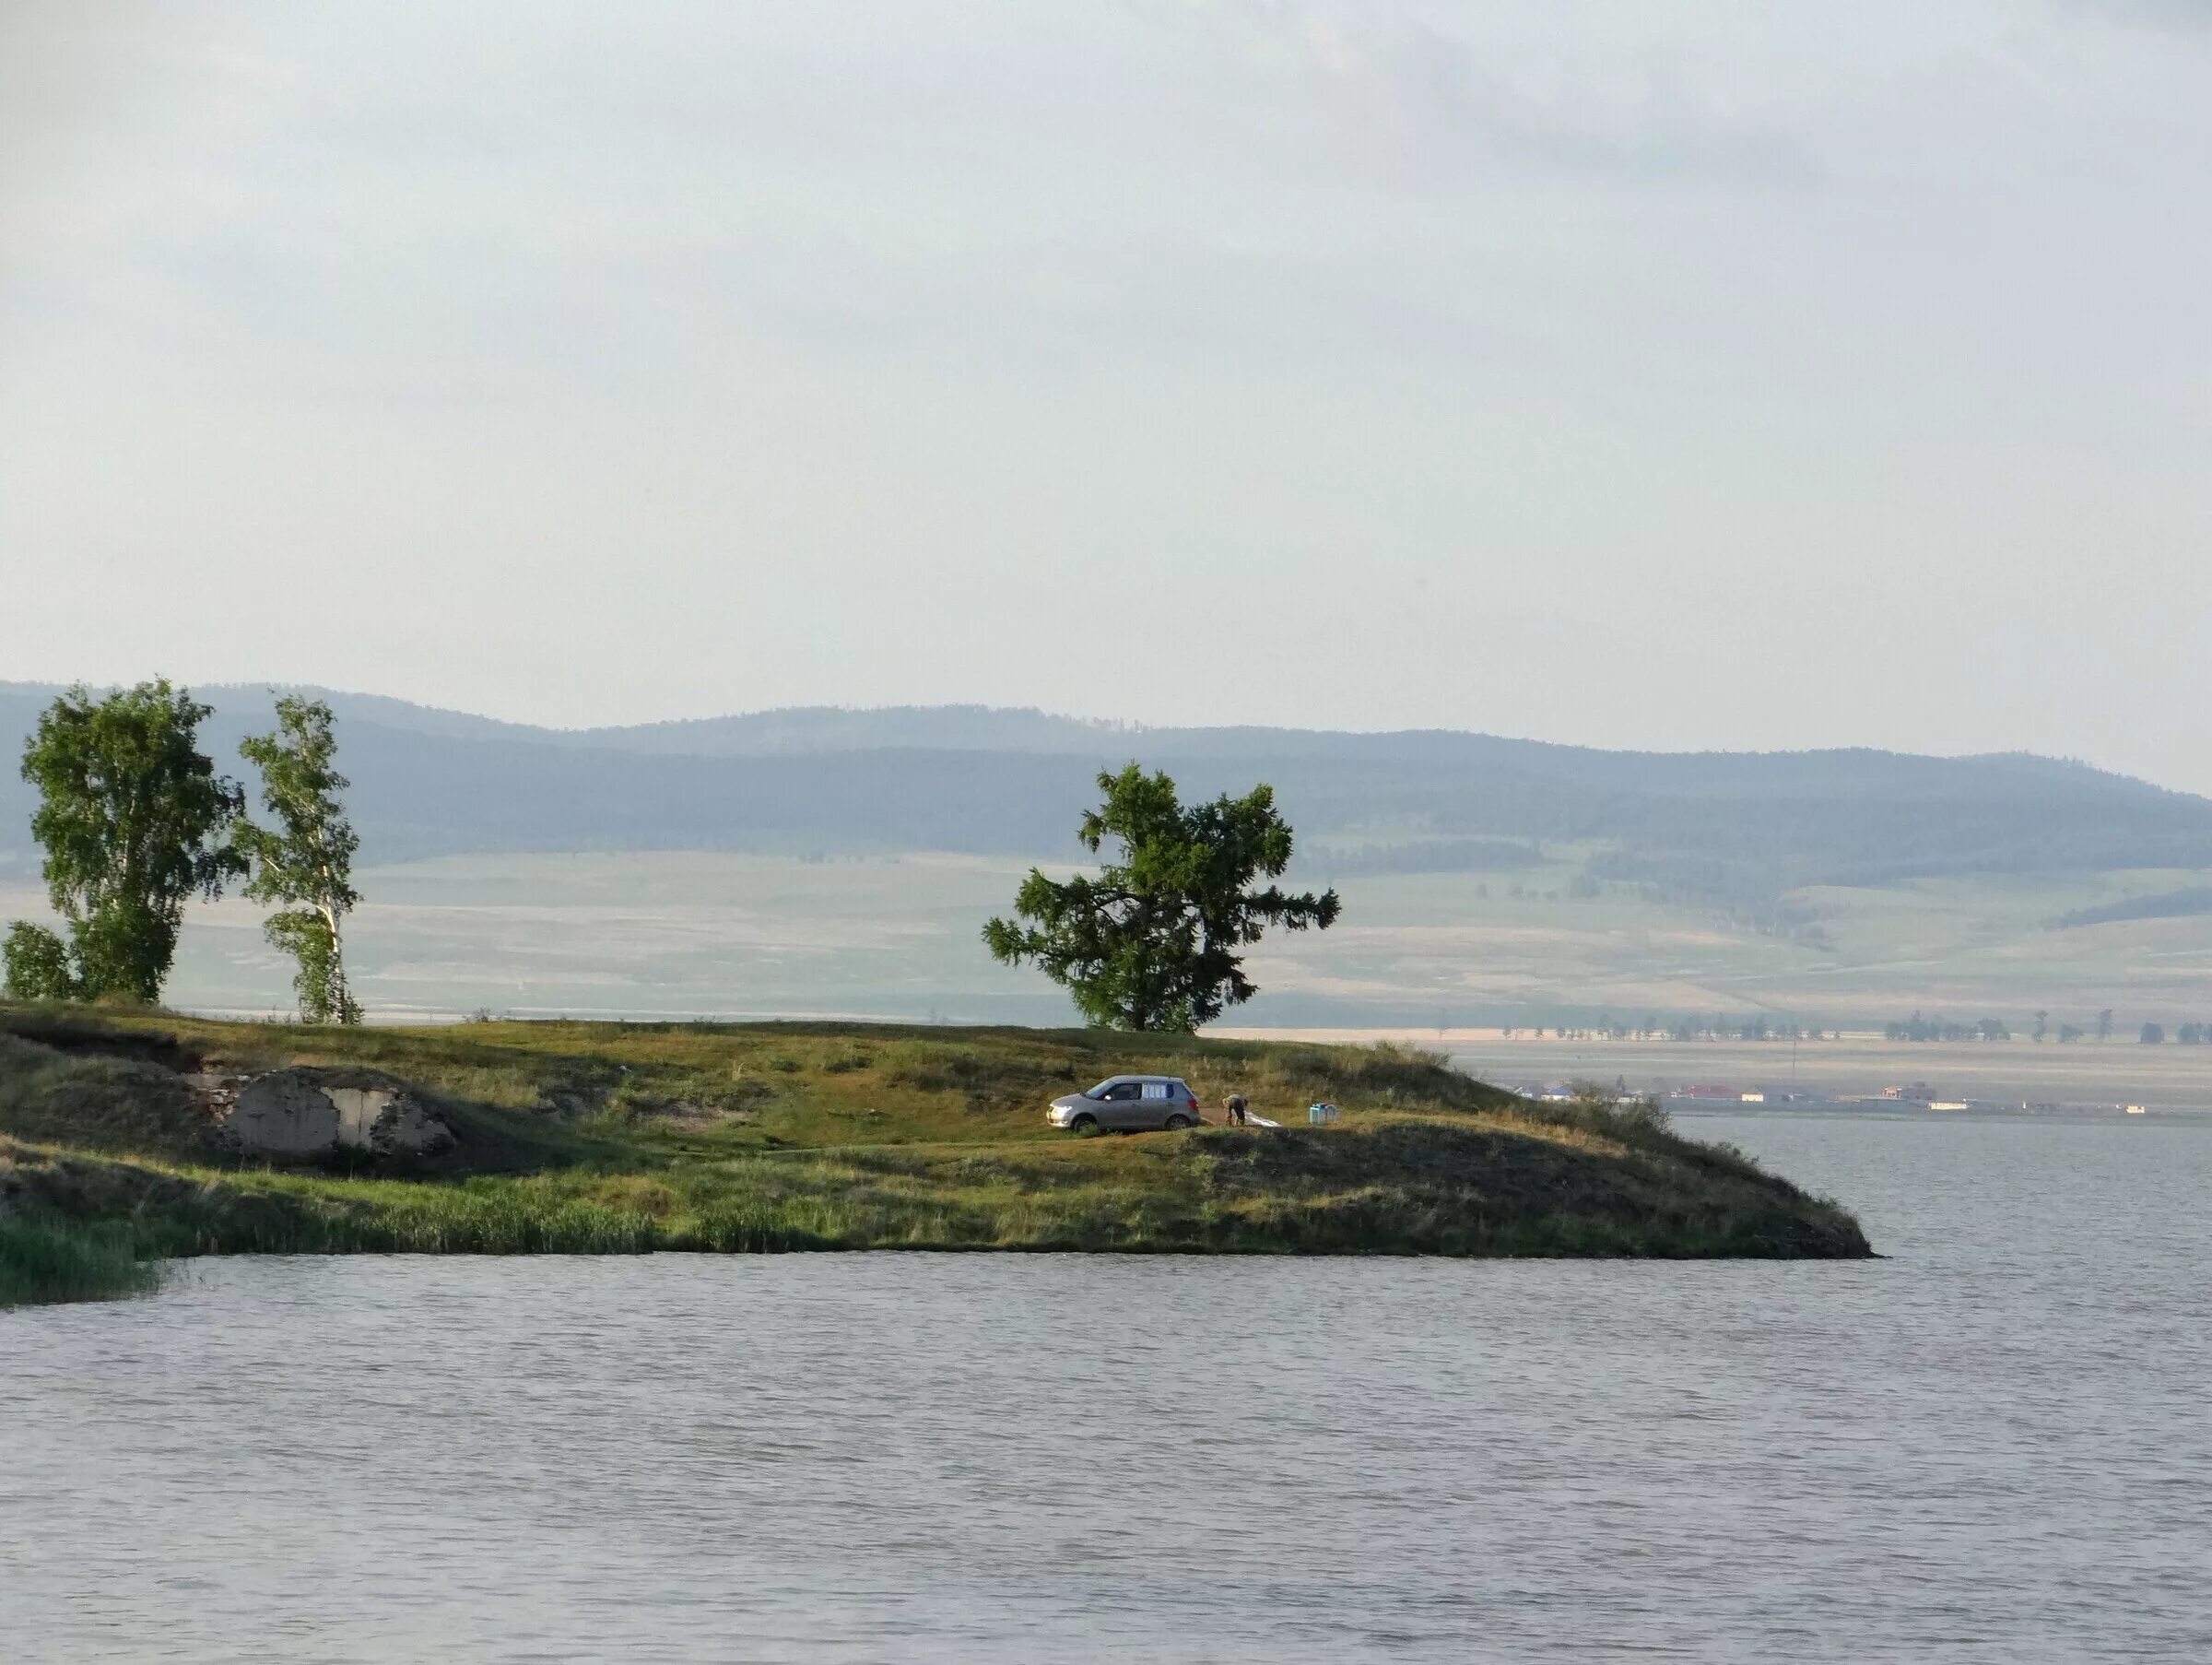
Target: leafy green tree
{"points": [[305, 860], [38, 965], [131, 816], [1150, 942]]}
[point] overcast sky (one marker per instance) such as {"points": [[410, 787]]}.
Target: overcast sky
{"points": [[1670, 376]]}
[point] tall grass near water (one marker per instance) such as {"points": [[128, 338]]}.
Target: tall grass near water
{"points": [[40, 1261]]}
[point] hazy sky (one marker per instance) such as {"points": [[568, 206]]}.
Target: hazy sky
{"points": [[1654, 376]]}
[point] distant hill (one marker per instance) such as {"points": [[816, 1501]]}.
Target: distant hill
{"points": [[2187, 904], [1735, 825]]}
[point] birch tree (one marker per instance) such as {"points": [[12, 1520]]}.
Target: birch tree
{"points": [[304, 860]]}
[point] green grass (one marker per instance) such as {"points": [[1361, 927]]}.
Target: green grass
{"points": [[609, 1138]]}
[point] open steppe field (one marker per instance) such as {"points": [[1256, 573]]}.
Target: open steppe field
{"points": [[627, 935], [1959, 947], [710, 934]]}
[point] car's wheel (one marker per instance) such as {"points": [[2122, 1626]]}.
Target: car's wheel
{"points": [[1178, 1122], [1085, 1123]]}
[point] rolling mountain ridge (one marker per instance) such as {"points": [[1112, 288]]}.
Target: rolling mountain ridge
{"points": [[1738, 825]]}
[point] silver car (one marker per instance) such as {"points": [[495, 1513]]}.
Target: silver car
{"points": [[1125, 1103]]}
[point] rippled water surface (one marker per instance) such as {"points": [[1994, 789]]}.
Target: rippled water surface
{"points": [[1994, 1446]]}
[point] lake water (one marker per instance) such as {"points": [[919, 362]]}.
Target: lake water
{"points": [[1993, 1446]]}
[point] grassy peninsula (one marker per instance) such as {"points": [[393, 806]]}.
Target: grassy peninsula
{"points": [[599, 1138]]}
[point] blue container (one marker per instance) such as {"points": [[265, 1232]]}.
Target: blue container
{"points": [[1321, 1115]]}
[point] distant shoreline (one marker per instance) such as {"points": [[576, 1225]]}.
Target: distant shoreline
{"points": [[2086, 1076]]}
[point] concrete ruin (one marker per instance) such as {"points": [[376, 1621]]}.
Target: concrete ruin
{"points": [[301, 1113]]}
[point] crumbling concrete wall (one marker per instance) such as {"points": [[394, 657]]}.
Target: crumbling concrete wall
{"points": [[304, 1113]]}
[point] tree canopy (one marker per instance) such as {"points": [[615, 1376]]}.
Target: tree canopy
{"points": [[305, 859], [130, 817], [1150, 941]]}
